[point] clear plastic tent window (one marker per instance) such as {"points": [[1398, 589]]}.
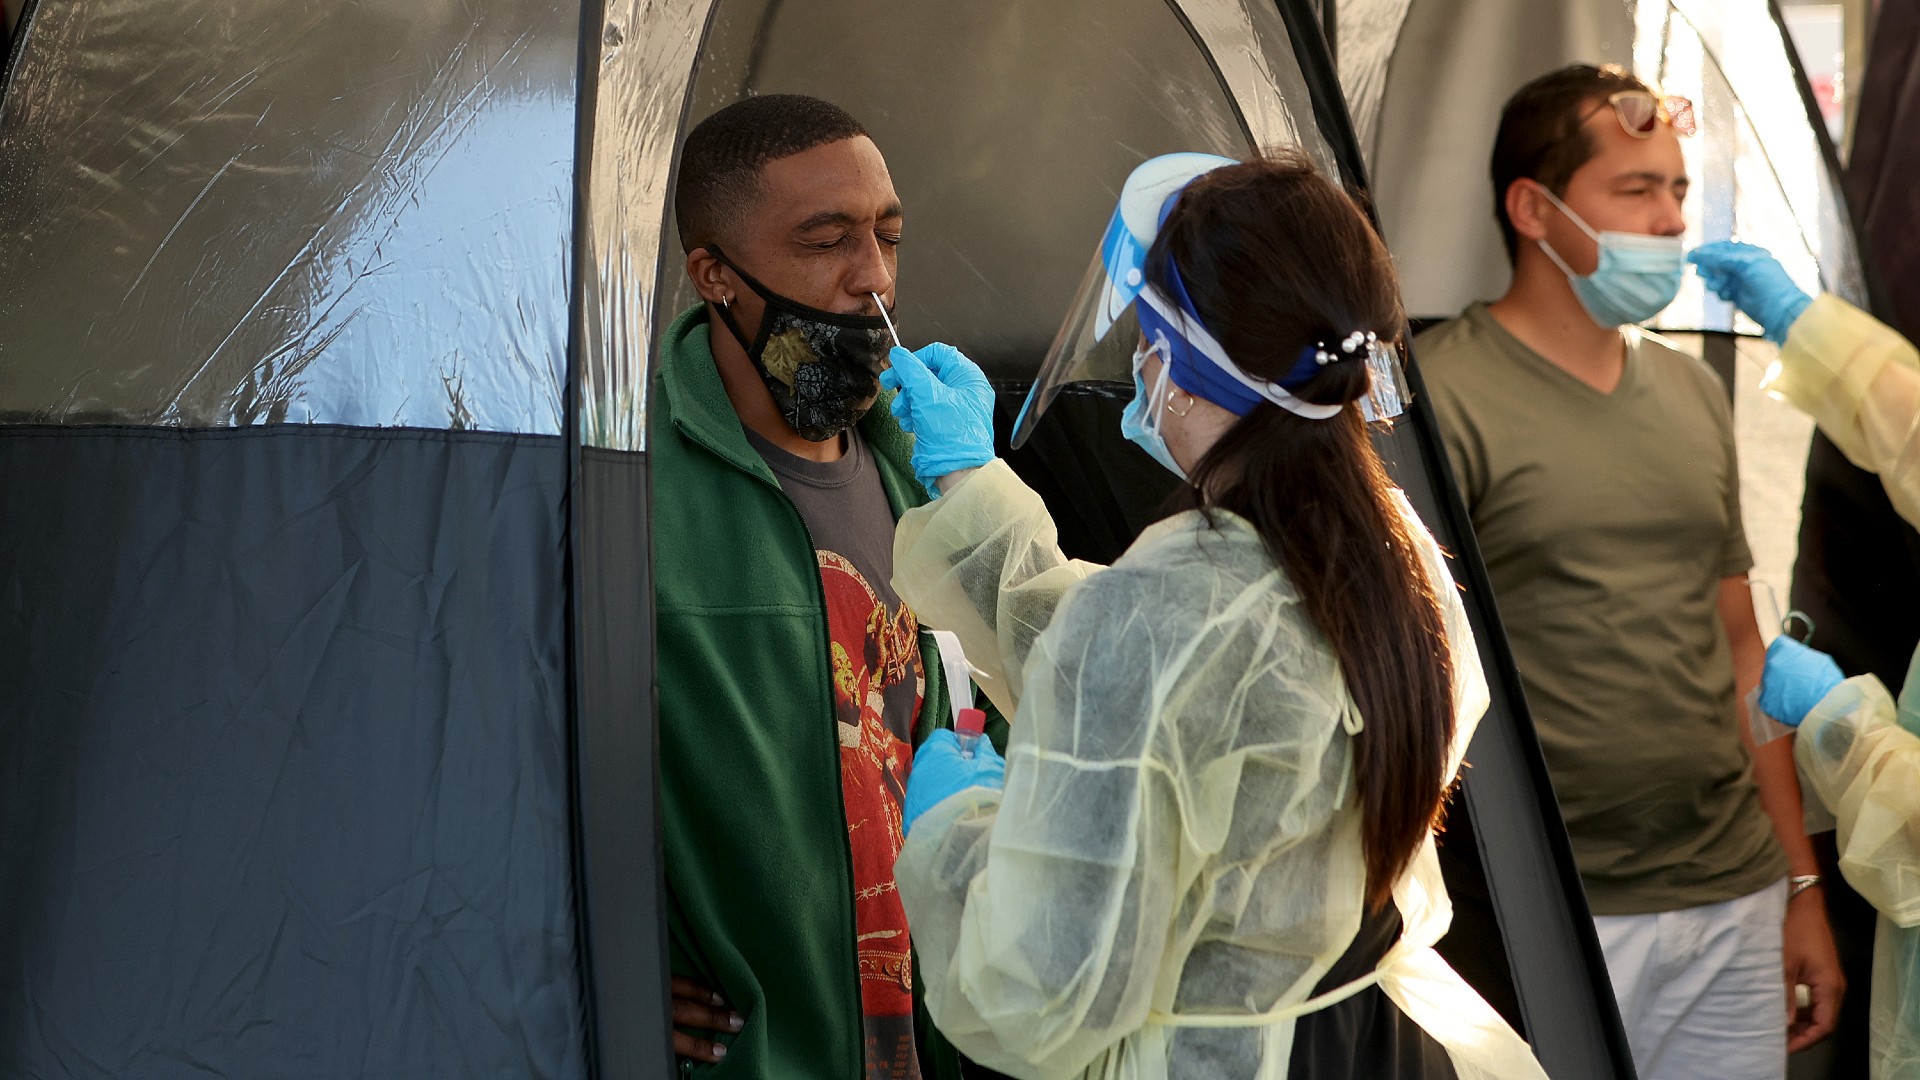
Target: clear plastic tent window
{"points": [[1759, 173], [1062, 101], [1425, 81], [270, 223]]}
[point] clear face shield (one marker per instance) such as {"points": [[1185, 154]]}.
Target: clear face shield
{"points": [[1095, 344], [1097, 340]]}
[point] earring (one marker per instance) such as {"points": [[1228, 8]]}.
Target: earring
{"points": [[1180, 412], [726, 302]]}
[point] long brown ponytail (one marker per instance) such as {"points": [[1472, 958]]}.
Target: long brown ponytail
{"points": [[1277, 258]]}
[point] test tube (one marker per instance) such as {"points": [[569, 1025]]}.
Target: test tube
{"points": [[969, 726]]}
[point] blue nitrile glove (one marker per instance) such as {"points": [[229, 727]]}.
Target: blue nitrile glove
{"points": [[946, 404], [940, 771], [1795, 679], [1754, 281]]}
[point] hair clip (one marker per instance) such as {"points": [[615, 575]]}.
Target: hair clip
{"points": [[1349, 345]]}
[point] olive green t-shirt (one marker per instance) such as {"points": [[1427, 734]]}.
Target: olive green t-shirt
{"points": [[1607, 522]]}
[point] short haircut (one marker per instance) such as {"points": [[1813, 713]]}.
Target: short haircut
{"points": [[1540, 135], [721, 160]]}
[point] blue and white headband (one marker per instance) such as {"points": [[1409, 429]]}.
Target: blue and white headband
{"points": [[1197, 363]]}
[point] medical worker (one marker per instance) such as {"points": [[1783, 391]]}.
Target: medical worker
{"points": [[1209, 850], [1861, 382]]}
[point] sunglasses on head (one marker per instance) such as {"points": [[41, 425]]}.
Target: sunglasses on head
{"points": [[1641, 111]]}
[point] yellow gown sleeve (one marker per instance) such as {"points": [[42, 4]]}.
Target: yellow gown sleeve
{"points": [[1866, 768], [984, 562], [1858, 753], [1041, 915], [1860, 381]]}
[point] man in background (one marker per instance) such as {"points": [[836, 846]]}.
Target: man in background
{"points": [[1598, 467]]}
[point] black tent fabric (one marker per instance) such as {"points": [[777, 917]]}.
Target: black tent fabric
{"points": [[327, 732], [1858, 571], [1885, 161], [286, 760]]}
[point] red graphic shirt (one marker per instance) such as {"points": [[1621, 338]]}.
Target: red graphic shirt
{"points": [[879, 684]]}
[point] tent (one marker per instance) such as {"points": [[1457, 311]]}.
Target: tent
{"points": [[326, 728]]}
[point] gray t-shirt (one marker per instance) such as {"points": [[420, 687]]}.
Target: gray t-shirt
{"points": [[878, 687], [1607, 522]]}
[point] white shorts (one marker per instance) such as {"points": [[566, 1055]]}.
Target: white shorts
{"points": [[1702, 990]]}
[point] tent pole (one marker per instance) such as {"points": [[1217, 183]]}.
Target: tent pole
{"points": [[1330, 29], [12, 40], [586, 93], [620, 920]]}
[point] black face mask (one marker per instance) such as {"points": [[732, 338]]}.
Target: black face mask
{"points": [[823, 369]]}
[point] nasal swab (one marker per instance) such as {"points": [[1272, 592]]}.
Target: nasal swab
{"points": [[883, 316]]}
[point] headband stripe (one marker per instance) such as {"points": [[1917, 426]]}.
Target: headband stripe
{"points": [[1201, 346]]}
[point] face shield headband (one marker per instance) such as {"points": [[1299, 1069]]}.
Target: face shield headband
{"points": [[1198, 364]]}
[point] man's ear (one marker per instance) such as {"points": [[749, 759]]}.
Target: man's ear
{"points": [[709, 277], [1527, 209]]}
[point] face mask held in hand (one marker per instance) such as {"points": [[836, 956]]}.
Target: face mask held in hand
{"points": [[822, 368], [1636, 275]]}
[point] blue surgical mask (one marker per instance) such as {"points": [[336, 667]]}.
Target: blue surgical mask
{"points": [[1636, 276], [1141, 422]]}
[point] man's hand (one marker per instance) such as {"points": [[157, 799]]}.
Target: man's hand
{"points": [[1807, 942], [1811, 959], [695, 1006]]}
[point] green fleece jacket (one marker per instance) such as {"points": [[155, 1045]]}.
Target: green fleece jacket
{"points": [[758, 864]]}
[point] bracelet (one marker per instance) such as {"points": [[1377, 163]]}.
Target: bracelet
{"points": [[1800, 883]]}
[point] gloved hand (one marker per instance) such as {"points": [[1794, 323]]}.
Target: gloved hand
{"points": [[946, 404], [940, 771], [1752, 280], [1795, 679]]}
